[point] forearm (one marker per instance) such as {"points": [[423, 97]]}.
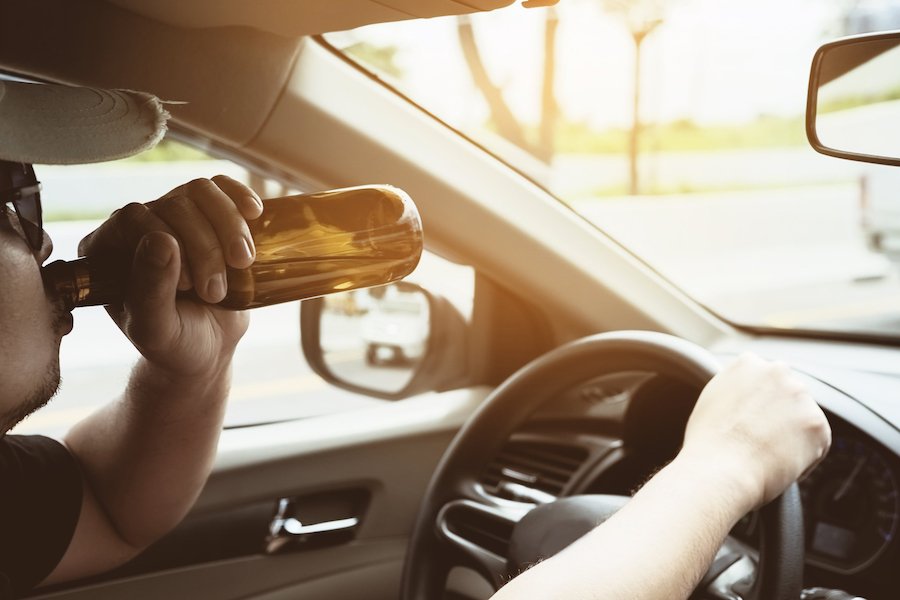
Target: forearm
{"points": [[147, 455], [655, 548]]}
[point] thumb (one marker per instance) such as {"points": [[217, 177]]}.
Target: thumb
{"points": [[150, 300]]}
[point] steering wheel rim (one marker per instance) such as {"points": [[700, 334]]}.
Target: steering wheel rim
{"points": [[428, 559]]}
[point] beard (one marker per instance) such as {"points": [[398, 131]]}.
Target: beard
{"points": [[39, 397]]}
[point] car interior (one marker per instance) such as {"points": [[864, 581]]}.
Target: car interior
{"points": [[573, 375]]}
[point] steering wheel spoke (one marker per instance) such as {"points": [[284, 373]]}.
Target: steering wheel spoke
{"points": [[479, 535]]}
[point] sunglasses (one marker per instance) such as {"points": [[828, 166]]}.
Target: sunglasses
{"points": [[20, 187]]}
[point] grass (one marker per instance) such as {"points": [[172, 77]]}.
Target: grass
{"points": [[578, 138], [620, 190], [169, 151], [74, 215], [684, 136]]}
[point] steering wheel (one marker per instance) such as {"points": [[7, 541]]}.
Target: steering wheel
{"points": [[453, 495]]}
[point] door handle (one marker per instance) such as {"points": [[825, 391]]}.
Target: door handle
{"points": [[287, 532], [295, 528]]}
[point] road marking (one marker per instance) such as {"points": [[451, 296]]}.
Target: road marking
{"points": [[292, 385]]}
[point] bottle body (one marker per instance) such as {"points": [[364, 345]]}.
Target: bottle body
{"points": [[307, 245]]}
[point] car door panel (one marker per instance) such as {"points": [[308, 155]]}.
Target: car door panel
{"points": [[384, 455]]}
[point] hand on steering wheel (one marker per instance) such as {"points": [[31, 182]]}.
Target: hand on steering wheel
{"points": [[436, 546]]}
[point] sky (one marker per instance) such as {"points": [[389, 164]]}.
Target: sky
{"points": [[711, 61]]}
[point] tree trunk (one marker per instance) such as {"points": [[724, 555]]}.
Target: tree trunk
{"points": [[634, 187], [502, 116], [546, 145]]}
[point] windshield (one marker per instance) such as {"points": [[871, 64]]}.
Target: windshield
{"points": [[678, 129]]}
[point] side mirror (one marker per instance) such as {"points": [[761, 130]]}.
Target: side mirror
{"points": [[390, 341], [853, 107]]}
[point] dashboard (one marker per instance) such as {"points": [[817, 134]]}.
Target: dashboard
{"points": [[850, 503], [610, 434]]}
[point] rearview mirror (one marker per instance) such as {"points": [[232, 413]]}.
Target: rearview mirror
{"points": [[389, 341], [853, 107]]}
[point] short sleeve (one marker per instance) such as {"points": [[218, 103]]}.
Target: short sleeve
{"points": [[40, 501]]}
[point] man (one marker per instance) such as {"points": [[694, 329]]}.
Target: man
{"points": [[128, 473]]}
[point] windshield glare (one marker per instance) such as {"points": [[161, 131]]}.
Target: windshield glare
{"points": [[678, 129]]}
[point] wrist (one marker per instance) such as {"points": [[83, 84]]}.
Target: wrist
{"points": [[730, 473], [210, 382], [186, 372]]}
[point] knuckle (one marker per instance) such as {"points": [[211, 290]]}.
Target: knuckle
{"points": [[796, 388], [824, 426], [741, 364], [175, 207], [200, 186], [225, 179], [212, 252], [782, 371], [818, 425], [826, 440], [86, 243], [747, 357], [131, 211], [208, 257], [238, 225], [752, 363]]}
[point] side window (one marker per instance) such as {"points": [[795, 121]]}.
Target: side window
{"points": [[271, 380]]}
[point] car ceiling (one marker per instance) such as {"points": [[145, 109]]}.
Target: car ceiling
{"points": [[293, 18], [223, 64]]}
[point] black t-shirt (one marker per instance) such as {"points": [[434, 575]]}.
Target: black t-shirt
{"points": [[40, 500]]}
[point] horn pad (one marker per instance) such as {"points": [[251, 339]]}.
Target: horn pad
{"points": [[551, 527]]}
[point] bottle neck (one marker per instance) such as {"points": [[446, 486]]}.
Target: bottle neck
{"points": [[82, 282]]}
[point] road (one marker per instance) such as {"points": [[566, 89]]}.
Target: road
{"points": [[787, 258]]}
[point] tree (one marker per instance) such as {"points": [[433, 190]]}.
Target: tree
{"points": [[641, 17], [502, 116]]}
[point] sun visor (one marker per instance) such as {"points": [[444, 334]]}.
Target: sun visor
{"points": [[294, 18]]}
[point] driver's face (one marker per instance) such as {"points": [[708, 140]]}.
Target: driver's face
{"points": [[31, 327]]}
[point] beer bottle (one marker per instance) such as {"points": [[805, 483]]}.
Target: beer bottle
{"points": [[307, 245]]}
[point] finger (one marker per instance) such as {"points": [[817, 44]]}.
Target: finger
{"points": [[202, 248], [222, 213], [229, 224], [150, 300], [245, 199], [118, 237]]}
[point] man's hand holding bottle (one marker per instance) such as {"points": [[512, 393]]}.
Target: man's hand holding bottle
{"points": [[160, 267], [181, 241]]}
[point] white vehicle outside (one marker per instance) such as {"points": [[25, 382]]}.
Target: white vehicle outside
{"points": [[880, 207], [395, 327]]}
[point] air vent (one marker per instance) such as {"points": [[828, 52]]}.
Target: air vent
{"points": [[530, 465], [481, 528]]}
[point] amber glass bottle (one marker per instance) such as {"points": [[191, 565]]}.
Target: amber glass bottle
{"points": [[306, 245]]}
